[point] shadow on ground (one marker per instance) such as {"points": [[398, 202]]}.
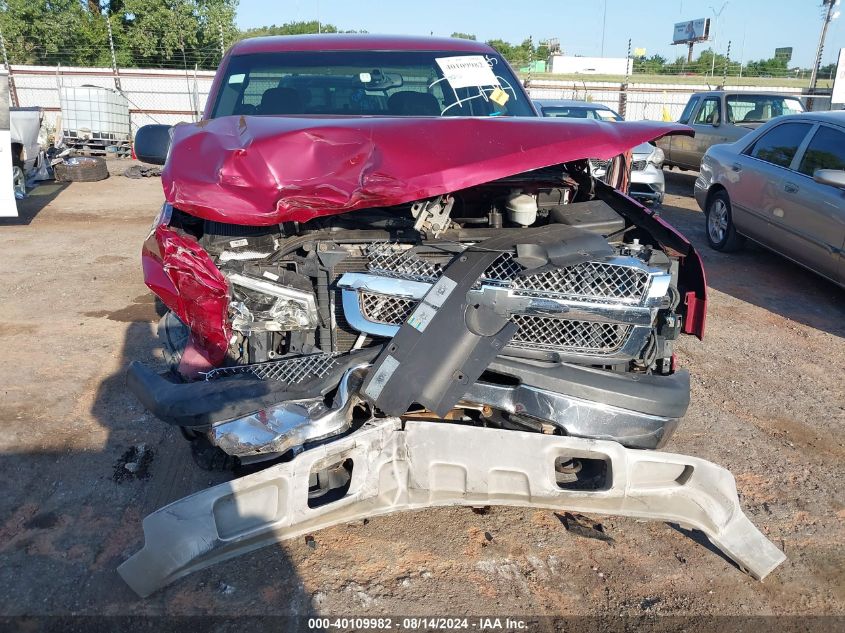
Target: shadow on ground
{"points": [[755, 274], [76, 515], [34, 203]]}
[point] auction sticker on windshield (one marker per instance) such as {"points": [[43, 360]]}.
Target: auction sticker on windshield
{"points": [[465, 71]]}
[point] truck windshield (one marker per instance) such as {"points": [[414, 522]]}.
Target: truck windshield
{"points": [[760, 108], [379, 83]]}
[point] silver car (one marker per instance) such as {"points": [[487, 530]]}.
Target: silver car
{"points": [[782, 186], [647, 183]]}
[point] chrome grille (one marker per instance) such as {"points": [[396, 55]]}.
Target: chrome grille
{"points": [[588, 337], [380, 308], [291, 370]]}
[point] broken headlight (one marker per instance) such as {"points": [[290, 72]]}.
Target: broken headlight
{"points": [[263, 305]]}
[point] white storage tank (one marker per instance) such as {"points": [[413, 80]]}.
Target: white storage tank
{"points": [[94, 118]]}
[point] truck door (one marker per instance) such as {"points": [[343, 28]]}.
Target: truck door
{"points": [[676, 147]]}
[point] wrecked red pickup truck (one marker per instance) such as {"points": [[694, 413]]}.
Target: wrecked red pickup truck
{"points": [[397, 286]]}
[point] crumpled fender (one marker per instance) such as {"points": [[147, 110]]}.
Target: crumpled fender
{"points": [[261, 171], [183, 275]]}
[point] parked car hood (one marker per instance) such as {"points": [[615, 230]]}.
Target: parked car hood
{"points": [[265, 170]]}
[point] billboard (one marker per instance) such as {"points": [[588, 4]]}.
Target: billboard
{"points": [[692, 31], [838, 94], [784, 53]]}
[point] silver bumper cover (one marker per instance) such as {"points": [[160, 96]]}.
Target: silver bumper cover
{"points": [[426, 464]]}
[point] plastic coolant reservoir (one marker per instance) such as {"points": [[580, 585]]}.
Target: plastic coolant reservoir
{"points": [[521, 208]]}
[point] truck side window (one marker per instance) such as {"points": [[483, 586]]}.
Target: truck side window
{"points": [[688, 110], [710, 112]]}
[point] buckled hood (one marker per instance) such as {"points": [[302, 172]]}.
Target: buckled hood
{"points": [[266, 170]]}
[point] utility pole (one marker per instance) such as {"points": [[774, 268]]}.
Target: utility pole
{"points": [[603, 24], [829, 16], [718, 14]]}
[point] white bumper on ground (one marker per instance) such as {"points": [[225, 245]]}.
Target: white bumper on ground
{"points": [[425, 464]]}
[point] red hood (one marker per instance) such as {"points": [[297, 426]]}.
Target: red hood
{"points": [[266, 170]]}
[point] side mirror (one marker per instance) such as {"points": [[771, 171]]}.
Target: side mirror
{"points": [[152, 143], [832, 177]]}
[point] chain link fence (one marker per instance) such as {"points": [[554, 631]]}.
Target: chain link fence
{"points": [[171, 96], [153, 95], [655, 102]]}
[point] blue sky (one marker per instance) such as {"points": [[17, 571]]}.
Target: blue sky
{"points": [[762, 24]]}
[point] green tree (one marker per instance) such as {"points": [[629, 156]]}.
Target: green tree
{"points": [[463, 36], [145, 32], [651, 65], [293, 28], [36, 32], [827, 72], [518, 55]]}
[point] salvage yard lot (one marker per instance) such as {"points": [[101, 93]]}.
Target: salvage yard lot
{"points": [[767, 403]]}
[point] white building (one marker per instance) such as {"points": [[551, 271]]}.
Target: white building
{"points": [[571, 65]]}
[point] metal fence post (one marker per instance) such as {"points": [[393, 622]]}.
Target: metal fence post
{"points": [[623, 91], [530, 60], [113, 57]]}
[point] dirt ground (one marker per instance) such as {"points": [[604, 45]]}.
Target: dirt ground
{"points": [[768, 403]]}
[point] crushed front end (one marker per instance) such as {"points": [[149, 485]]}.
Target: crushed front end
{"points": [[532, 311]]}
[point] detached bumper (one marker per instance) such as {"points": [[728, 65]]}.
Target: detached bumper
{"points": [[427, 465]]}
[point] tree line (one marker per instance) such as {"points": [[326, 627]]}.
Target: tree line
{"points": [[193, 33], [772, 67]]}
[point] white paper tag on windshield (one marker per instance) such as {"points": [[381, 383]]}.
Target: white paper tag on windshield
{"points": [[465, 71]]}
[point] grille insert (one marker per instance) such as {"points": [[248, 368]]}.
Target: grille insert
{"points": [[291, 370], [540, 333], [591, 281], [380, 308], [590, 337], [388, 260]]}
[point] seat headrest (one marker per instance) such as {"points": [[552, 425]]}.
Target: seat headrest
{"points": [[410, 103], [280, 101]]}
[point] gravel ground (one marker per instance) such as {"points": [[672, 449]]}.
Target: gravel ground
{"points": [[767, 403]]}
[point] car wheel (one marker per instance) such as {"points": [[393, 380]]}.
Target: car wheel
{"points": [[18, 178], [721, 233]]}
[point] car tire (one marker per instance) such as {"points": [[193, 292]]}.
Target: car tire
{"points": [[174, 336], [719, 226], [18, 176], [81, 169], [211, 458]]}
